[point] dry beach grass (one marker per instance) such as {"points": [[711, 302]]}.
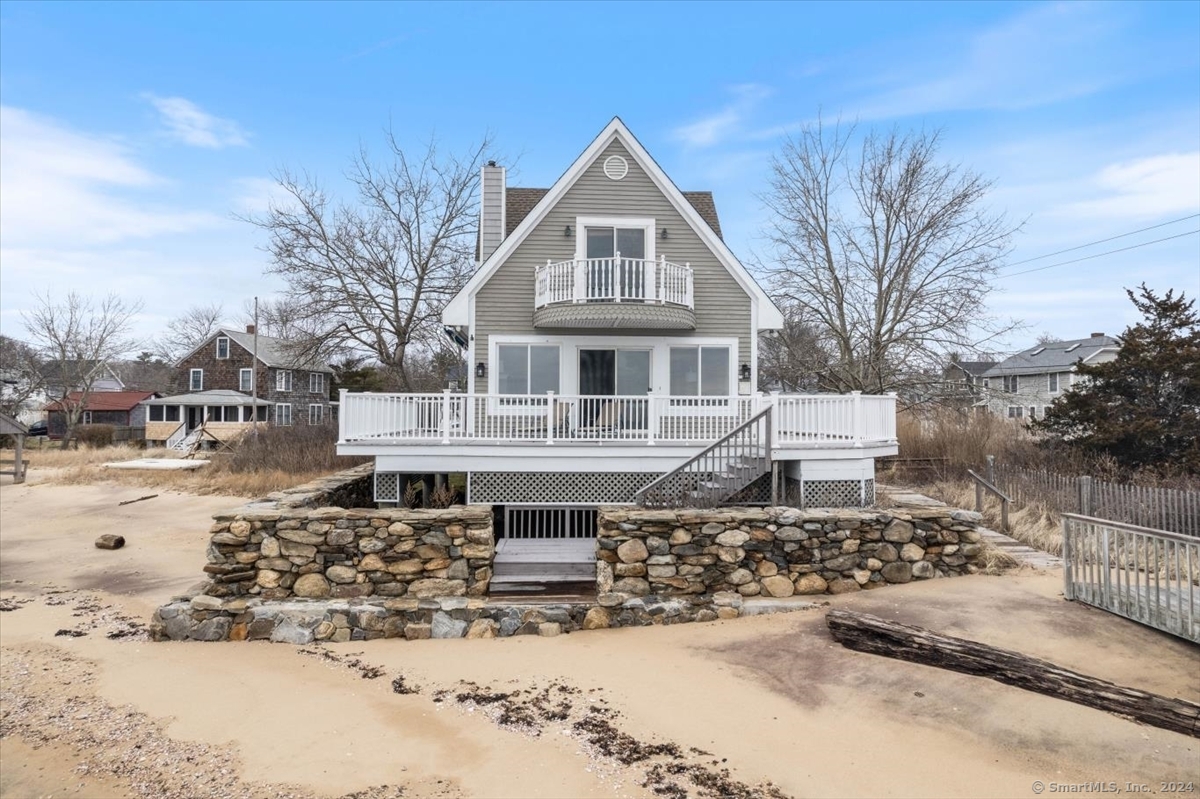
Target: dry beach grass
{"points": [[763, 706]]}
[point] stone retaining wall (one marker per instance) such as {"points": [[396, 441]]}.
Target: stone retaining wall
{"points": [[292, 544], [777, 552]]}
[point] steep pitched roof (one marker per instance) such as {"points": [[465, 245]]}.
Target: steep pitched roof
{"points": [[272, 351], [1059, 356], [106, 400], [768, 315]]}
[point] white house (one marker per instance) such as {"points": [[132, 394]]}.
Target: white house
{"points": [[612, 339]]}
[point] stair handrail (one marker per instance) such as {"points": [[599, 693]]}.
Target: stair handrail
{"points": [[639, 495], [982, 484], [173, 440]]}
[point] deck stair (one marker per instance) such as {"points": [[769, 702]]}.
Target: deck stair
{"points": [[717, 473], [188, 442]]}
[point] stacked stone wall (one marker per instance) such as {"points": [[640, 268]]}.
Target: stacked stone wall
{"points": [[293, 545], [777, 552]]}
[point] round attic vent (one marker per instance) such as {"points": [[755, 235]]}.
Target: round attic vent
{"points": [[615, 167]]}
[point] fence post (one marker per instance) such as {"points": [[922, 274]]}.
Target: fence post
{"points": [[978, 497], [1085, 495], [1003, 515], [991, 469], [551, 416], [1068, 572]]}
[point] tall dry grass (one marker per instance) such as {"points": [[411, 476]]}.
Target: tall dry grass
{"points": [[1035, 524], [280, 458]]}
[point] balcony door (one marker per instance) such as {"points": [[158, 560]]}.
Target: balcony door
{"points": [[609, 379], [616, 279]]}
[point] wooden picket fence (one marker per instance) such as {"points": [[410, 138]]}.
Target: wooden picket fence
{"points": [[1170, 509]]}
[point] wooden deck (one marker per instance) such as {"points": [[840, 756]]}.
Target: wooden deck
{"points": [[526, 562]]}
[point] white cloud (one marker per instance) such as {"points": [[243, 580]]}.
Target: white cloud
{"points": [[718, 127], [188, 123], [62, 186], [1145, 187], [255, 195]]}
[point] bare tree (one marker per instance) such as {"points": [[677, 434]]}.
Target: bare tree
{"points": [[21, 378], [188, 331], [887, 251], [373, 276], [78, 339], [795, 358]]}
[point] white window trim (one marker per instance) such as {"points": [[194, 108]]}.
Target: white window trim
{"points": [[320, 413], [1056, 386], [221, 357], [192, 380], [1020, 412], [318, 377], [241, 374], [291, 419], [499, 407], [279, 375], [582, 223]]}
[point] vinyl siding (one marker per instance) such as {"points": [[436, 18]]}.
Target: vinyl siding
{"points": [[504, 305]]}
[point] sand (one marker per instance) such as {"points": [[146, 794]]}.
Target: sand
{"points": [[763, 706]]}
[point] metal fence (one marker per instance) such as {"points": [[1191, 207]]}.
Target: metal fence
{"points": [[1170, 509], [1149, 576]]}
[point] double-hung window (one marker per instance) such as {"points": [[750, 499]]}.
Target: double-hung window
{"points": [[283, 414], [196, 380], [316, 414], [283, 381], [222, 348], [316, 383], [1052, 382], [527, 369], [246, 380], [1016, 412], [1012, 383]]}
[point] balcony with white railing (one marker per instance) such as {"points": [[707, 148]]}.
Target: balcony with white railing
{"points": [[614, 292], [852, 421]]}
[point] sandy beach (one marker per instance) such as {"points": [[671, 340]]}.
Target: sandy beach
{"points": [[763, 706]]}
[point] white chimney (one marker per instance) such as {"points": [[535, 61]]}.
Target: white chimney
{"points": [[491, 209]]}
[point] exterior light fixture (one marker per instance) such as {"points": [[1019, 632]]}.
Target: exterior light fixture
{"points": [[481, 369], [744, 371], [663, 234], [568, 231]]}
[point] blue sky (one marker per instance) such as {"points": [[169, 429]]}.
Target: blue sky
{"points": [[131, 135]]}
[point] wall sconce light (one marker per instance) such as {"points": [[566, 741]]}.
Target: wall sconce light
{"points": [[481, 369], [568, 231], [663, 235], [744, 371]]}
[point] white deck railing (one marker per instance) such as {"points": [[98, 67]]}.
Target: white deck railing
{"points": [[799, 421], [614, 280]]}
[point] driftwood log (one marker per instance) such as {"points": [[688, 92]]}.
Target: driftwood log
{"points": [[866, 633], [139, 499], [110, 541]]}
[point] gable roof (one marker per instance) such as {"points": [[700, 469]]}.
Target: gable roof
{"points": [[457, 311], [58, 372], [973, 368], [1058, 356], [272, 351], [106, 400]]}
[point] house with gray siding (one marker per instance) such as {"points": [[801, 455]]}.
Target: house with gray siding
{"points": [[1023, 385], [611, 338]]}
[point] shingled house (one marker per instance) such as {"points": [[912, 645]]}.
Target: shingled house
{"points": [[1021, 386], [215, 384]]}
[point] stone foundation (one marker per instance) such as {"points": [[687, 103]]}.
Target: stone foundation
{"points": [[777, 552]]}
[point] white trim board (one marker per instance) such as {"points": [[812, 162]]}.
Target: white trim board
{"points": [[765, 314]]}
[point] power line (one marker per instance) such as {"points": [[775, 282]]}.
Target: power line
{"points": [[1100, 254], [1102, 241]]}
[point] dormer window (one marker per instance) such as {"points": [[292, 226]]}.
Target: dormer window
{"points": [[1072, 347], [222, 348], [1038, 351]]}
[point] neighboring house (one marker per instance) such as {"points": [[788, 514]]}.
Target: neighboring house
{"points": [[610, 336], [216, 389], [20, 395], [1020, 387], [962, 381], [118, 408], [59, 377]]}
